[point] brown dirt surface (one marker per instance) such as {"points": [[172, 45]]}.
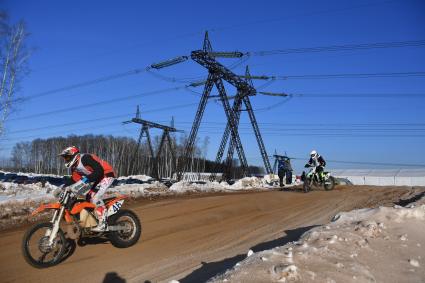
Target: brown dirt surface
{"points": [[195, 237]]}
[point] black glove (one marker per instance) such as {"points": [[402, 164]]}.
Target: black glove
{"points": [[306, 166]]}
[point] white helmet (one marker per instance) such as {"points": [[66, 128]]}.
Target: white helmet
{"points": [[70, 155], [313, 153]]}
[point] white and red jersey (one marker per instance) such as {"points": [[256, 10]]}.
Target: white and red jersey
{"points": [[92, 167]]}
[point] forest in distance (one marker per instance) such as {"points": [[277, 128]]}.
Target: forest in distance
{"points": [[123, 153]]}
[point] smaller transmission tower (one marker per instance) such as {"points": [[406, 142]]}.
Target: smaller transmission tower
{"points": [[165, 140]]}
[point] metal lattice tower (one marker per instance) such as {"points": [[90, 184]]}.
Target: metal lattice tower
{"points": [[165, 139], [216, 74]]}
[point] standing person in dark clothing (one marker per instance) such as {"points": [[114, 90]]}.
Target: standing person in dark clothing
{"points": [[280, 171], [284, 170], [288, 170]]}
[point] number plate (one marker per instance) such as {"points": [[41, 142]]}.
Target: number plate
{"points": [[115, 207]]}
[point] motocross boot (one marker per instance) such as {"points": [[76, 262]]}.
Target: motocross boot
{"points": [[101, 217], [322, 177]]}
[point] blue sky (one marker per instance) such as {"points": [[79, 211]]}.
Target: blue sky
{"points": [[83, 40]]}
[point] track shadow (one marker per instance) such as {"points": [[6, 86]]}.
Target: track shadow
{"points": [[71, 245], [70, 249], [291, 189], [211, 269], [92, 241], [113, 277]]}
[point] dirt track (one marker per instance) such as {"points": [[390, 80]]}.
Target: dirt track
{"points": [[191, 239]]}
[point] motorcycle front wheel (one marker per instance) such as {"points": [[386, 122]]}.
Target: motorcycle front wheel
{"points": [[307, 185], [329, 184], [36, 249]]}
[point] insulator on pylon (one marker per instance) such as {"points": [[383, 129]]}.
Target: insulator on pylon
{"points": [[273, 93], [198, 83], [169, 62], [257, 77], [235, 54]]}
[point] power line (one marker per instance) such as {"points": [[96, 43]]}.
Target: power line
{"points": [[356, 95], [219, 125], [68, 109], [347, 76], [299, 95], [85, 83], [179, 106], [219, 132], [347, 47]]}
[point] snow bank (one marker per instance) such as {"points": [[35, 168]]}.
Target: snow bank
{"points": [[248, 183], [140, 190], [20, 193], [385, 244], [182, 187], [143, 178]]}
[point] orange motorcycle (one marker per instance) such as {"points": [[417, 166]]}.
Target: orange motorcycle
{"points": [[45, 244]]}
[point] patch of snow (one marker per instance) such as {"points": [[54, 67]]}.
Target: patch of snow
{"points": [[414, 262], [143, 178], [358, 246]]}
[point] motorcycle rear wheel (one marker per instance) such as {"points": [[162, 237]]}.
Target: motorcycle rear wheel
{"points": [[36, 250], [125, 239]]}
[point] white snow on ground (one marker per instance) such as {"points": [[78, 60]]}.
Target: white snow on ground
{"points": [[141, 190], [138, 177], [247, 183], [11, 192], [385, 244]]}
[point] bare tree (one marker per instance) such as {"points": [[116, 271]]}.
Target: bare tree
{"points": [[13, 64]]}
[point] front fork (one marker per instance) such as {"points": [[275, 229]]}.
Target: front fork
{"points": [[56, 223], [56, 219]]}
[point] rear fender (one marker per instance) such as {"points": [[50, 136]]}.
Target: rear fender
{"points": [[115, 200], [115, 207]]}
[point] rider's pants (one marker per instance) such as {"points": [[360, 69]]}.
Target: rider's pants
{"points": [[96, 197], [319, 171]]}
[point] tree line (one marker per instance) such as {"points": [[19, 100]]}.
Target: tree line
{"points": [[123, 153]]}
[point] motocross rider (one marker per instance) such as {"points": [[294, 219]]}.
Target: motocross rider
{"points": [[85, 169], [317, 161]]}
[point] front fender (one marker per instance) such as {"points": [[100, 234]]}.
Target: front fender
{"points": [[43, 207]]}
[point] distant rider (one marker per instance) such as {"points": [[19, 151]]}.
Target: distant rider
{"points": [[88, 168], [317, 161]]}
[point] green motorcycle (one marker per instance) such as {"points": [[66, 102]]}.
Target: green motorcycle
{"points": [[312, 179]]}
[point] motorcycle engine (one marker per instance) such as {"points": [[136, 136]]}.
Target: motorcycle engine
{"points": [[72, 231]]}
